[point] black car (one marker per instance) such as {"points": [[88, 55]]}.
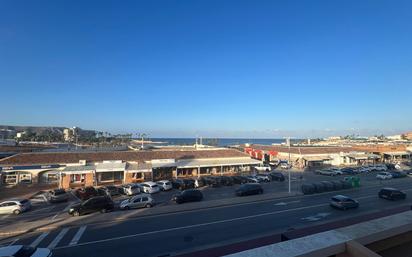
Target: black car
{"points": [[348, 171], [57, 195], [391, 194], [189, 183], [190, 195], [398, 174], [94, 204], [226, 181], [111, 190], [239, 179], [249, 189], [87, 192], [178, 184], [277, 176]]}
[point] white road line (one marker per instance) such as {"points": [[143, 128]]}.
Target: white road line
{"points": [[39, 239], [55, 216], [58, 238], [197, 225], [67, 207], [14, 241], [77, 236], [4, 217]]}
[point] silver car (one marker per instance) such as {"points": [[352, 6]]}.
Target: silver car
{"points": [[14, 206], [138, 201]]}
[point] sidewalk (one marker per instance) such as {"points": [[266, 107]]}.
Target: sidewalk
{"points": [[46, 224], [22, 191]]}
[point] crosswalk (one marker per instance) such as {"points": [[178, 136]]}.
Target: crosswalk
{"points": [[52, 239]]}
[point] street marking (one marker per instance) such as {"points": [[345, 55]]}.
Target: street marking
{"points": [[14, 241], [283, 203], [55, 216], [4, 217], [194, 226], [58, 238], [39, 239], [67, 207], [317, 217], [77, 236]]}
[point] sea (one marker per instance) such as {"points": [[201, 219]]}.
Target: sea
{"points": [[218, 141]]}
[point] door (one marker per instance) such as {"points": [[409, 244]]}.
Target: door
{"points": [[137, 203], [5, 208], [144, 201]]}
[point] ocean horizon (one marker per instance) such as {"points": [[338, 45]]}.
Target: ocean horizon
{"points": [[220, 141]]}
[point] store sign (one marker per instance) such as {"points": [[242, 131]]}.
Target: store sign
{"points": [[31, 167]]}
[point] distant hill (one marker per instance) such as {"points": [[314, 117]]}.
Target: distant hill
{"points": [[34, 129]]}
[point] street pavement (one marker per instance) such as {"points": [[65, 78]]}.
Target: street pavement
{"points": [[176, 232]]}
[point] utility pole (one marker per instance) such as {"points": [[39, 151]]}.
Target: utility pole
{"points": [[289, 190]]}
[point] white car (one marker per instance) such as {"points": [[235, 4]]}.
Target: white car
{"points": [[149, 187], [263, 168], [384, 175], [15, 206], [364, 169], [284, 165], [22, 250], [138, 201], [165, 185], [381, 168], [264, 177], [131, 189]]}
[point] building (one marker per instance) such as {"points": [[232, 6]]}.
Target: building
{"points": [[314, 157], [75, 169], [408, 136]]}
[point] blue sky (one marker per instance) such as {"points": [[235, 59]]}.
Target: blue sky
{"points": [[210, 68]]}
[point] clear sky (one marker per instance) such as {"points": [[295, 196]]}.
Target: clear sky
{"points": [[209, 68]]}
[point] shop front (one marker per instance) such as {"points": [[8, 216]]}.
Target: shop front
{"points": [[78, 176], [110, 172]]}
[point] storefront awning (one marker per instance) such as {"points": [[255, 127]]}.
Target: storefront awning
{"points": [[316, 158], [110, 166], [139, 167], [81, 169], [193, 163], [397, 153], [364, 156]]}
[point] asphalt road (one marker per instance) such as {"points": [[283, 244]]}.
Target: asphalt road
{"points": [[172, 233]]}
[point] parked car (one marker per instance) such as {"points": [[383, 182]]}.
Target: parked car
{"points": [[164, 185], [253, 179], [381, 168], [189, 183], [131, 189], [111, 190], [87, 192], [138, 201], [329, 172], [16, 206], [149, 187], [348, 170], [239, 179], [178, 184], [391, 194], [343, 202], [57, 195], [364, 169], [24, 251], [277, 176], [249, 189], [189, 195], [226, 181], [384, 175], [264, 177], [398, 174], [94, 204], [285, 165], [264, 167]]}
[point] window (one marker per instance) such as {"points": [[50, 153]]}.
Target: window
{"points": [[77, 178], [138, 200], [52, 177], [137, 175], [145, 199], [25, 178]]}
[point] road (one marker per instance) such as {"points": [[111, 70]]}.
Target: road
{"points": [[172, 233]]}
